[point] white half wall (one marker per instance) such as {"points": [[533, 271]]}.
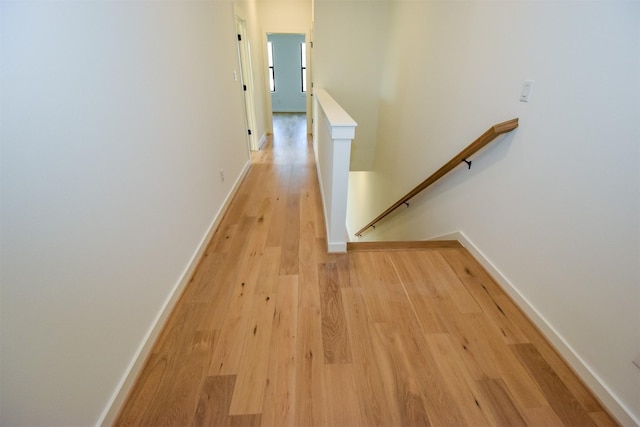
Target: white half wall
{"points": [[333, 132], [116, 119], [554, 205]]}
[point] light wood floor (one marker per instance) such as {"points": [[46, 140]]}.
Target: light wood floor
{"points": [[273, 331]]}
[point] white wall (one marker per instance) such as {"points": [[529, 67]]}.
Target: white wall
{"points": [[555, 205], [288, 96], [348, 55], [112, 138]]}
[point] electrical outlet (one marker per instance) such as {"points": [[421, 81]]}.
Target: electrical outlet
{"points": [[221, 175]]}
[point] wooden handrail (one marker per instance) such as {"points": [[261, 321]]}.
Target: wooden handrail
{"points": [[475, 146]]}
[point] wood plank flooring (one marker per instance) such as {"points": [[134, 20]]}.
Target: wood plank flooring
{"points": [[273, 331]]}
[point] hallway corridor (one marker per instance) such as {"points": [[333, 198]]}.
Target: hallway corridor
{"points": [[273, 331]]}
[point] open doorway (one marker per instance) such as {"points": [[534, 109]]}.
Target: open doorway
{"points": [[287, 61]]}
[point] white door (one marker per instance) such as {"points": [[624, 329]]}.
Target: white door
{"points": [[247, 82]]}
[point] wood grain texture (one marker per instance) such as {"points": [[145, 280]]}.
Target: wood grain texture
{"points": [[249, 420], [485, 292], [375, 407], [342, 399], [564, 404], [335, 337], [274, 331], [310, 379], [279, 401], [504, 411], [248, 393], [214, 400], [464, 388]]}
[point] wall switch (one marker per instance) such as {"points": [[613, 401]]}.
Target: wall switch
{"points": [[526, 91], [221, 175]]}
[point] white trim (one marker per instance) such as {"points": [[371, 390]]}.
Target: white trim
{"points": [[580, 367], [263, 140], [112, 409], [338, 119], [336, 247]]}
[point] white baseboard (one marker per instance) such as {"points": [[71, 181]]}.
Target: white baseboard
{"points": [[337, 248], [263, 140], [110, 413], [580, 367]]}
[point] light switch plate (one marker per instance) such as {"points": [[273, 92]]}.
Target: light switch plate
{"points": [[526, 91]]}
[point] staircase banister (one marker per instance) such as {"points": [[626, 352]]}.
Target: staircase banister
{"points": [[484, 139]]}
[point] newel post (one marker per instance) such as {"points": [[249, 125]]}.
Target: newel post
{"points": [[333, 132]]}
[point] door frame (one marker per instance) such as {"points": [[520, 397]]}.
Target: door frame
{"points": [[309, 93], [246, 81]]}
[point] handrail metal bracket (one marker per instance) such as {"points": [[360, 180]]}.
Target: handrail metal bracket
{"points": [[468, 162], [406, 203]]}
